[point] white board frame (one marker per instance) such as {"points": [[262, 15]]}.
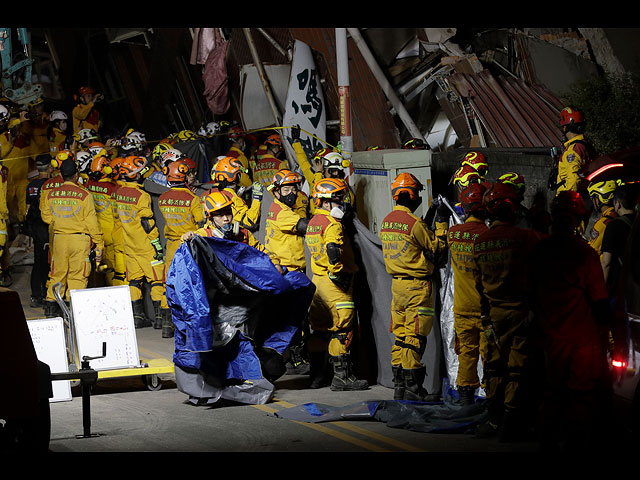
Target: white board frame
{"points": [[102, 315], [50, 343]]}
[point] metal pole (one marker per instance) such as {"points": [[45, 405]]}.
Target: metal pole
{"points": [[387, 88], [263, 77], [342, 59]]}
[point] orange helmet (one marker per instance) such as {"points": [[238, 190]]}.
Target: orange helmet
{"points": [[273, 140], [406, 182], [176, 172], [227, 168], [115, 167], [131, 166], [216, 201], [466, 175], [515, 180], [328, 188], [477, 161], [284, 177], [100, 167], [61, 156]]}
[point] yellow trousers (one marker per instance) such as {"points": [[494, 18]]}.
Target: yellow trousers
{"points": [[471, 345], [4, 248], [412, 315], [141, 267], [332, 310], [70, 264]]}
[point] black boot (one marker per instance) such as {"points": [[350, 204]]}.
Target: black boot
{"points": [[467, 395], [157, 315], [51, 309], [297, 364], [343, 378], [167, 323], [413, 389], [319, 370], [139, 316], [398, 382]]}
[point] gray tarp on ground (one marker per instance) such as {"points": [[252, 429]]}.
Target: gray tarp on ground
{"points": [[446, 417]]}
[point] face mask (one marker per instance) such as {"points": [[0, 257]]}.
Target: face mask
{"points": [[338, 212], [290, 199]]}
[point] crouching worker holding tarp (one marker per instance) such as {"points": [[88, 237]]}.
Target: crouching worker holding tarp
{"points": [[234, 314]]}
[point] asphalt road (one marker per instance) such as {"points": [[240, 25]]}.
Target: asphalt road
{"points": [[126, 416]]}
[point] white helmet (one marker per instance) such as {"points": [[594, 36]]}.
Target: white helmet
{"points": [[333, 160], [57, 115], [87, 134], [169, 156], [84, 160], [211, 128], [4, 113]]}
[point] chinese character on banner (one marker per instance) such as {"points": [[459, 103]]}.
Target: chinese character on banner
{"points": [[305, 105]]}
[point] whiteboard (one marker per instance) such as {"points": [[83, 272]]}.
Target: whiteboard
{"points": [[105, 315], [50, 344]]}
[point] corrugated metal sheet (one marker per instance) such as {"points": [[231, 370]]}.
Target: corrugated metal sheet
{"points": [[515, 114]]}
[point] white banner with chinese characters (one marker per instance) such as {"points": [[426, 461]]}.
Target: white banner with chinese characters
{"points": [[305, 105]]}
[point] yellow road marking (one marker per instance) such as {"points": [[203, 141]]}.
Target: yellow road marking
{"points": [[348, 426]]}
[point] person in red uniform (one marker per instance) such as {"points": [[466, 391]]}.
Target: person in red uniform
{"points": [[499, 258], [571, 310], [470, 340]]}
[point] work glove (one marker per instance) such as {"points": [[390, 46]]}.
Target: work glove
{"points": [[258, 191], [156, 245], [342, 280], [295, 133]]}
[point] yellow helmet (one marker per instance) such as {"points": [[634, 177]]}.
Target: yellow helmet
{"points": [[216, 201], [603, 190]]}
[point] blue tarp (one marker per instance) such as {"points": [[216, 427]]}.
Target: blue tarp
{"points": [[233, 311]]}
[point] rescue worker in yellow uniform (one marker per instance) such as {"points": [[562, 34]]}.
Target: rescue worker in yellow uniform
{"points": [[57, 131], [409, 250], [15, 148], [119, 263], [576, 152], [469, 339], [72, 218], [236, 150], [85, 114], [328, 163], [142, 249], [183, 212], [270, 163], [499, 264], [285, 228], [5, 277], [37, 127], [226, 176], [601, 194], [332, 314], [221, 223], [103, 189]]}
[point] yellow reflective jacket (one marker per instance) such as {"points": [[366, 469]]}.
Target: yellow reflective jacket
{"points": [[182, 211], [322, 230], [466, 299], [282, 237], [4, 210], [408, 246], [266, 167], [16, 155], [85, 116], [71, 211], [136, 218], [574, 158], [597, 231], [103, 191]]}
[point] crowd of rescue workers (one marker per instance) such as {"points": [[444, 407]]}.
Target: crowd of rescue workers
{"points": [[534, 291]]}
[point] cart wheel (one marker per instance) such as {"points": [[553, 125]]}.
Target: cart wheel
{"points": [[152, 382]]}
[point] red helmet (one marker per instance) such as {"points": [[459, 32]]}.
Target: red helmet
{"points": [[466, 175], [471, 198], [500, 199], [405, 182], [236, 132], [570, 116], [515, 181], [190, 163], [477, 161]]}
